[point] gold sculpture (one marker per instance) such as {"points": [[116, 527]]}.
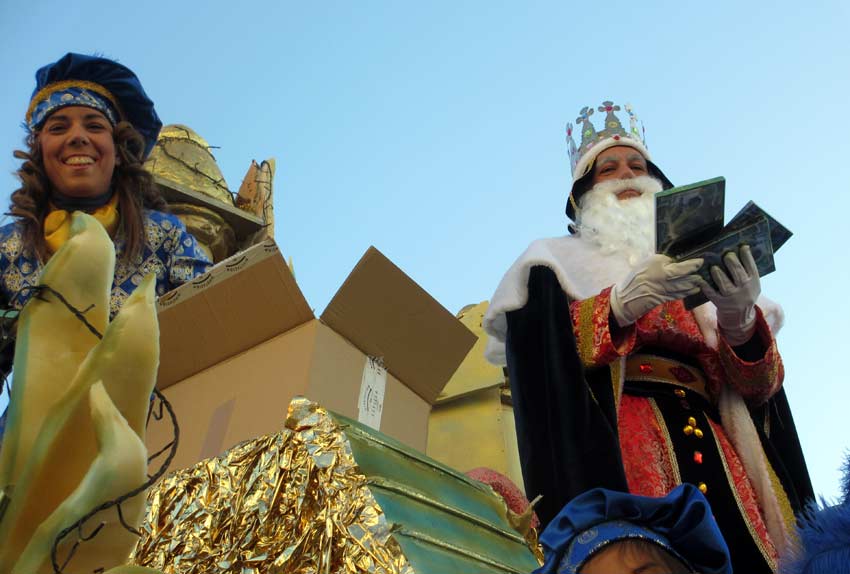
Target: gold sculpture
{"points": [[185, 169], [472, 423]]}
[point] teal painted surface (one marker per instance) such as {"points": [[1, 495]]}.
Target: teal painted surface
{"points": [[445, 522]]}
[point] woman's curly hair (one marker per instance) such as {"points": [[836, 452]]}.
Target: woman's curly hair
{"points": [[135, 188]]}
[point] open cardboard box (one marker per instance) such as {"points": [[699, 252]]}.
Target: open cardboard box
{"points": [[240, 341]]}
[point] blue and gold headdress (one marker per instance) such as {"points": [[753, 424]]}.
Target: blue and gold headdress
{"points": [[71, 93], [98, 83], [681, 523]]}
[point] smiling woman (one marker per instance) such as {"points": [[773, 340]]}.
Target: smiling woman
{"points": [[78, 152], [91, 126]]}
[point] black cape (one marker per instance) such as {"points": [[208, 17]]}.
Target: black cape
{"points": [[566, 421]]}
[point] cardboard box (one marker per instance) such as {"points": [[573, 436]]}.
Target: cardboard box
{"points": [[240, 341]]}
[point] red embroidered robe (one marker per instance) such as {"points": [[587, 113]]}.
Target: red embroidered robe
{"points": [[647, 454]]}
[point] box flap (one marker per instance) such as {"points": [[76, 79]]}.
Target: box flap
{"points": [[242, 301], [386, 314]]}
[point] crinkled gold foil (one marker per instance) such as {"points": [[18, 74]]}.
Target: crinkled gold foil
{"points": [[294, 502]]}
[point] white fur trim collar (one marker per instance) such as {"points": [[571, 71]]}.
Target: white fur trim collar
{"points": [[583, 271]]}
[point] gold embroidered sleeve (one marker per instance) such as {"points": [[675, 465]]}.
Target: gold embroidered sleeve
{"points": [[597, 344], [755, 381]]}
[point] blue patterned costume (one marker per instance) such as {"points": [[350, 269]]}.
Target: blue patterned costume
{"points": [[169, 251]]}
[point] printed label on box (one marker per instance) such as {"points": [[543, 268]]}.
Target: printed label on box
{"points": [[370, 405]]}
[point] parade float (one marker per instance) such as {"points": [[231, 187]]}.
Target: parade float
{"points": [[293, 443]]}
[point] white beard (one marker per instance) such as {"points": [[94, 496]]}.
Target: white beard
{"points": [[619, 226]]}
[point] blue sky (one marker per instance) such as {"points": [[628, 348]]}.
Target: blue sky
{"points": [[435, 131]]}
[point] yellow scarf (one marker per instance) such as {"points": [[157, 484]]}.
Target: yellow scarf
{"points": [[57, 224]]}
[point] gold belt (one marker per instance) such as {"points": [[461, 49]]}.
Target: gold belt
{"points": [[657, 369]]}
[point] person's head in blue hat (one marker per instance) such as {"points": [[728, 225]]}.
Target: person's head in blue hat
{"points": [[98, 83], [90, 127], [603, 531]]}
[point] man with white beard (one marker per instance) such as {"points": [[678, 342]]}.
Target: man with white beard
{"points": [[616, 385]]}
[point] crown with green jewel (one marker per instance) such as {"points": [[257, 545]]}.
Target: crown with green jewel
{"points": [[594, 141]]}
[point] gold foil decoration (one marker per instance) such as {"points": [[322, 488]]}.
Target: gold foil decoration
{"points": [[328, 495], [293, 502]]}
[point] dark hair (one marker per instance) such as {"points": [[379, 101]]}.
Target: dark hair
{"points": [[135, 188], [640, 547]]}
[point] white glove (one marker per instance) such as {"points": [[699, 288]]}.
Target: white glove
{"points": [[656, 279], [736, 298]]}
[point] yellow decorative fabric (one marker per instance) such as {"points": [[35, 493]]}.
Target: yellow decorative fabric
{"points": [[597, 345], [57, 224]]}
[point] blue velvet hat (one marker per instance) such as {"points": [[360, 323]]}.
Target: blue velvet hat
{"points": [[94, 82], [681, 523]]}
